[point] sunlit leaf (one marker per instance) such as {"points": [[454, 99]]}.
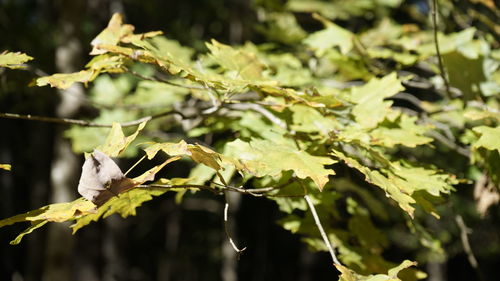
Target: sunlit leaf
{"points": [[370, 108], [116, 142], [58, 212], [332, 36], [34, 225], [64, 81], [84, 211], [244, 64], [408, 134], [115, 32], [400, 194], [5, 167], [392, 275], [489, 139], [111, 34], [125, 205], [263, 157], [307, 119], [13, 60]]}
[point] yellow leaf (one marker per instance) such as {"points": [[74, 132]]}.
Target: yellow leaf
{"points": [[111, 34], [5, 167], [116, 142], [65, 80], [198, 153], [13, 60], [34, 225]]}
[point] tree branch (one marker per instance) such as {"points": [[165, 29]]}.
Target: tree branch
{"points": [[438, 52], [87, 123], [226, 229], [259, 109], [257, 192], [155, 79], [321, 230], [466, 245]]}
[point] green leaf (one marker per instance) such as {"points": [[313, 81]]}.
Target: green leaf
{"points": [[332, 36], [370, 108], [243, 63], [13, 60], [309, 120], [489, 139], [476, 114], [85, 139], [392, 275], [384, 53], [287, 69], [176, 50], [340, 9], [417, 178], [397, 193], [266, 158], [465, 73], [282, 27], [408, 134], [156, 94], [447, 43]]}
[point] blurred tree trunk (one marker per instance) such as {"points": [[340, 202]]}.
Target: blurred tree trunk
{"points": [[168, 263], [436, 271], [66, 165]]}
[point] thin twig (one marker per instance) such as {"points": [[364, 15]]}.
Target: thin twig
{"points": [[174, 186], [321, 230], [86, 123], [257, 192], [216, 104], [155, 79], [442, 139], [226, 229], [438, 52], [466, 245], [259, 109], [267, 114]]}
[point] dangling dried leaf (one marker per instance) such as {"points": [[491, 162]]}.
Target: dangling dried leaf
{"points": [[102, 179]]}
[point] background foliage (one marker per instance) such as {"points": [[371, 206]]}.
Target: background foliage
{"points": [[342, 101]]}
